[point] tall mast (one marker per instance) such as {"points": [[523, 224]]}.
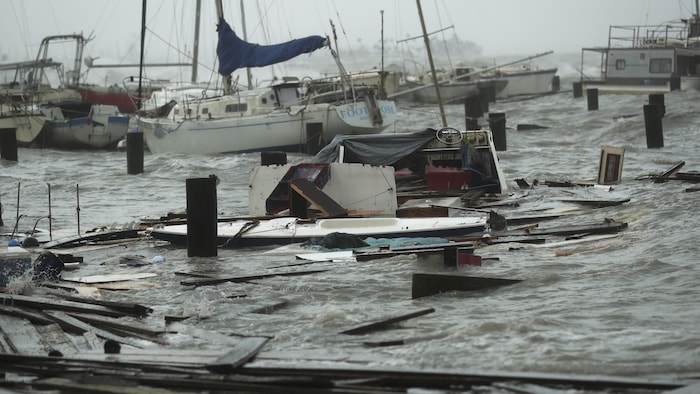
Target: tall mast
{"points": [[432, 65], [195, 48], [245, 38], [143, 40], [227, 78]]}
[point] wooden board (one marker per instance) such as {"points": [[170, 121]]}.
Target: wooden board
{"points": [[385, 321], [317, 197], [22, 336], [91, 279], [425, 284], [244, 351], [238, 279]]}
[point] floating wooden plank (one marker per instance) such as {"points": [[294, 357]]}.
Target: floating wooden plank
{"points": [[33, 316], [367, 255], [383, 322], [70, 323], [22, 336], [341, 255], [663, 177], [317, 197], [126, 307], [97, 238], [92, 279], [608, 226], [45, 304], [238, 279], [111, 323], [244, 351], [103, 386], [425, 284], [56, 339], [598, 203]]}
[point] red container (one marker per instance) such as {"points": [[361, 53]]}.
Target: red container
{"points": [[447, 178]]}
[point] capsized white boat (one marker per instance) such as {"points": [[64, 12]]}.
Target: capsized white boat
{"points": [[286, 230]]}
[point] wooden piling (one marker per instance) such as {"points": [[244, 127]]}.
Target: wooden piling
{"points": [[578, 90], [201, 217], [134, 152], [556, 83], [472, 112], [273, 158], [8, 144], [653, 126], [497, 123], [658, 99], [592, 99]]}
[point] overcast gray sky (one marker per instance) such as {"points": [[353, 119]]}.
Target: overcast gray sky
{"points": [[499, 27]]}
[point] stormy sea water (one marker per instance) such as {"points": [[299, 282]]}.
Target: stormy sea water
{"points": [[625, 305]]}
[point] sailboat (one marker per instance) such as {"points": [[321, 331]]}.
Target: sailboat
{"points": [[292, 115]]}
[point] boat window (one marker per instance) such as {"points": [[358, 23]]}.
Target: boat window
{"points": [[264, 100], [237, 107], [620, 64], [177, 111], [205, 111], [659, 66]]}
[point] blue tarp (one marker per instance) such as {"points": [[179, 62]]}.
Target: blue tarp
{"points": [[235, 53]]}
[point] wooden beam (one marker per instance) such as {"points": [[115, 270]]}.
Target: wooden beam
{"points": [[385, 321], [237, 279], [244, 351], [425, 284], [317, 197]]}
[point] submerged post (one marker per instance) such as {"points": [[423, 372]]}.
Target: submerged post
{"points": [[497, 123], [201, 217], [134, 152], [578, 90], [472, 112], [653, 126], [658, 99], [8, 144], [592, 98]]}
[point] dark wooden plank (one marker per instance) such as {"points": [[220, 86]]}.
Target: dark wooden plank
{"points": [[385, 321], [317, 197], [237, 279], [663, 177], [608, 226], [31, 315], [244, 351], [600, 203], [425, 284], [48, 304]]}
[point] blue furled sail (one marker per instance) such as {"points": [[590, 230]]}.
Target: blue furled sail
{"points": [[235, 53]]}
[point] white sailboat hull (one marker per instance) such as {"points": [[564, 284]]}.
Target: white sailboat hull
{"points": [[285, 130], [528, 83]]}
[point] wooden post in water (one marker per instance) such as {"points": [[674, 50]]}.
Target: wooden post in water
{"points": [[497, 123], [134, 152], [472, 112], [658, 99], [201, 217], [8, 144], [592, 99], [578, 90], [653, 126], [273, 158]]}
